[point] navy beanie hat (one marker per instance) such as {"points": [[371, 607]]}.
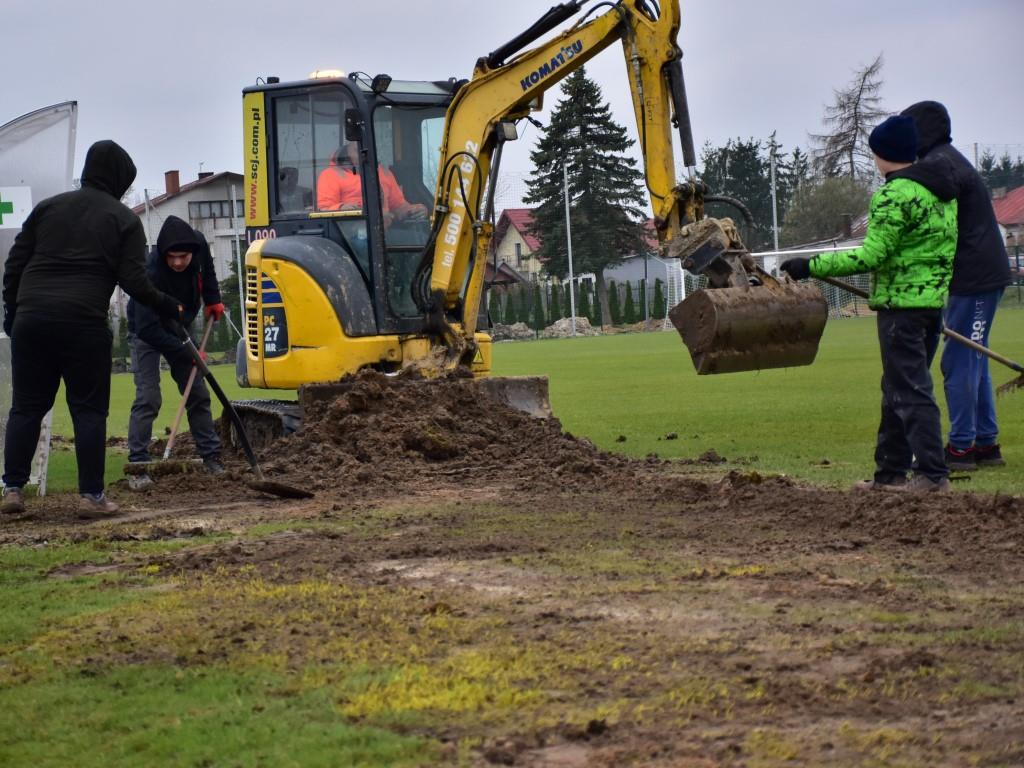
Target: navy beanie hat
{"points": [[895, 139]]}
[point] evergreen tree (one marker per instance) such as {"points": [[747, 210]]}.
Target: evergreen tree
{"points": [[645, 301], [122, 348], [741, 169], [510, 307], [629, 307], [605, 186], [494, 305], [554, 308], [658, 305], [843, 149], [614, 307], [538, 309], [1004, 174], [595, 316], [525, 304], [583, 301]]}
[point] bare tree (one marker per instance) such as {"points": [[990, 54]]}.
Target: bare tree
{"points": [[843, 149]]}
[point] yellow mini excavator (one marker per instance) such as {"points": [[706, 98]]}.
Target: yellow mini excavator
{"points": [[369, 209]]}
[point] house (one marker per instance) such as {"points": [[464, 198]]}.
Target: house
{"points": [[1009, 210], [514, 245], [206, 205]]}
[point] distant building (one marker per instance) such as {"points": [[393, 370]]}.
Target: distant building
{"points": [[1009, 210], [206, 205], [515, 246]]}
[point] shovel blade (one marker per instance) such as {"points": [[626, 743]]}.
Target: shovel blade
{"points": [[750, 328]]}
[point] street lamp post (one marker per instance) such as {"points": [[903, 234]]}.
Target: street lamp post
{"points": [[568, 241]]}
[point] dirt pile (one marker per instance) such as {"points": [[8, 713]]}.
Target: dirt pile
{"points": [[393, 432]]}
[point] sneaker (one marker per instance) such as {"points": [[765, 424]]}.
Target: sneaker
{"points": [[14, 501], [961, 460], [140, 482], [92, 506], [988, 456], [876, 485], [213, 466], [920, 484]]}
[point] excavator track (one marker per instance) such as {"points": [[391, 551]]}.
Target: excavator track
{"points": [[265, 421]]}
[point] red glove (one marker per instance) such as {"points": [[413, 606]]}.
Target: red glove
{"points": [[216, 310], [202, 356]]}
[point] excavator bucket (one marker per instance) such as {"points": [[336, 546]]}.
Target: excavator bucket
{"points": [[746, 320], [773, 325]]}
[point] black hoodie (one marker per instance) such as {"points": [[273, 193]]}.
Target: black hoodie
{"points": [[192, 287], [75, 247], [981, 264]]}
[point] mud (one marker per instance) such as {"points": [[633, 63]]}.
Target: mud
{"points": [[668, 613]]}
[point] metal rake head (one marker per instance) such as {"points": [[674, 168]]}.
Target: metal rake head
{"points": [[1011, 386]]}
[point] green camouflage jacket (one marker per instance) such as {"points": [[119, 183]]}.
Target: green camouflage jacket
{"points": [[910, 243]]}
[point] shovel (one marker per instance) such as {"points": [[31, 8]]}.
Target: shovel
{"points": [[261, 483], [186, 392], [1002, 389]]}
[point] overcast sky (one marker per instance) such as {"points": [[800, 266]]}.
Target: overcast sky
{"points": [[165, 79]]}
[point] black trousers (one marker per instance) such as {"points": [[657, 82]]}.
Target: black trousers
{"points": [[43, 352], [910, 433]]}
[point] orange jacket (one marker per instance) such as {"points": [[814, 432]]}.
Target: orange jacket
{"points": [[339, 186]]}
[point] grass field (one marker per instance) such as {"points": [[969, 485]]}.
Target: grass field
{"points": [[631, 392]]}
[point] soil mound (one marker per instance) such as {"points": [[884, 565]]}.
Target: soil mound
{"points": [[394, 432]]}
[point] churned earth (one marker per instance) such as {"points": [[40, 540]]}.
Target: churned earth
{"points": [[511, 595]]}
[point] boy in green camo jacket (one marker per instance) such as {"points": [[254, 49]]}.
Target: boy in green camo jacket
{"points": [[908, 249]]}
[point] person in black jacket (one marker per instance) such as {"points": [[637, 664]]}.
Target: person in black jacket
{"points": [[981, 271], [180, 264], [59, 276]]}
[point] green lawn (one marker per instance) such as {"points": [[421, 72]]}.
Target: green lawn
{"points": [[817, 422]]}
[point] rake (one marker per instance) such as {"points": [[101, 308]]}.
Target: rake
{"points": [[1002, 389]]}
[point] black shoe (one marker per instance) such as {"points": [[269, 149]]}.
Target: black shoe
{"points": [[961, 461], [988, 456], [213, 466], [921, 484]]}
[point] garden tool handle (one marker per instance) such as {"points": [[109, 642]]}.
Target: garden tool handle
{"points": [[186, 341], [946, 332], [186, 391]]}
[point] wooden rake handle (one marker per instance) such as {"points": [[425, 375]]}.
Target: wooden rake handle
{"points": [[946, 332], [188, 389]]}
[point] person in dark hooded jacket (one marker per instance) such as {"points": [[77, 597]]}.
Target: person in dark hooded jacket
{"points": [[909, 249], [59, 276], [181, 265], [981, 272]]}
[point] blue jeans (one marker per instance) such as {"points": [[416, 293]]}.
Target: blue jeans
{"points": [[972, 410]]}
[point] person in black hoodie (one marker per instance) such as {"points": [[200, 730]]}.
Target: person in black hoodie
{"points": [[981, 271], [59, 276], [180, 264]]}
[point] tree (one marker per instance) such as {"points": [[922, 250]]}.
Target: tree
{"points": [[658, 305], [538, 309], [524, 304], [605, 187], [1004, 174], [741, 169], [494, 305], [843, 149], [629, 307], [819, 210], [583, 301], [509, 317], [614, 307], [554, 308]]}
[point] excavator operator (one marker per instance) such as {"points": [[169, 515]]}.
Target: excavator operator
{"points": [[340, 188]]}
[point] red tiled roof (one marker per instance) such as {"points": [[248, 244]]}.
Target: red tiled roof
{"points": [[159, 199], [1010, 207], [520, 219]]}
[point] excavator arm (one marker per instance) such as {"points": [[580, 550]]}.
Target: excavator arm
{"points": [[507, 86]]}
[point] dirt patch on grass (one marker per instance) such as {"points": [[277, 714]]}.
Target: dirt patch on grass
{"points": [[512, 592]]}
